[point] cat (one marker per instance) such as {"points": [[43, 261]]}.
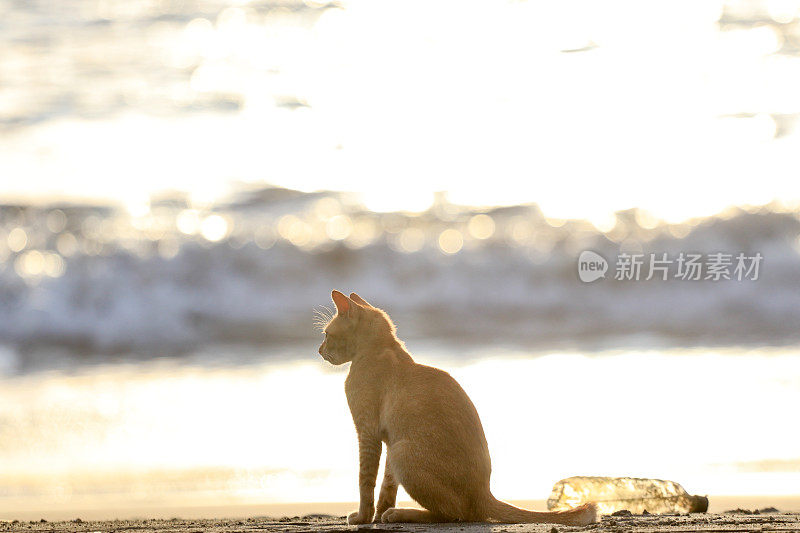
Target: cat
{"points": [[435, 445]]}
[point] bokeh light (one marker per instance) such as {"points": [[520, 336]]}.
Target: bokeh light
{"points": [[450, 241], [214, 228]]}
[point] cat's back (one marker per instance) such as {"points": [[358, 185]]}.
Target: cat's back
{"points": [[426, 385], [433, 400]]}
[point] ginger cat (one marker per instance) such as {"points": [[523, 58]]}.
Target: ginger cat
{"points": [[435, 446]]}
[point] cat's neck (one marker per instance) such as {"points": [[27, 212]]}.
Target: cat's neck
{"points": [[388, 351]]}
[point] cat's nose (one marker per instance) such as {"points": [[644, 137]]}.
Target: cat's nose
{"points": [[320, 350]]}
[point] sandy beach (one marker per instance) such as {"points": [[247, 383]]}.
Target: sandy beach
{"points": [[740, 521]]}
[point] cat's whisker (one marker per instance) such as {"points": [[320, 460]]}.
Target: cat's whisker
{"points": [[323, 313], [322, 317]]}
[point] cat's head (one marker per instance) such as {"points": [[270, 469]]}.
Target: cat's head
{"points": [[356, 329]]}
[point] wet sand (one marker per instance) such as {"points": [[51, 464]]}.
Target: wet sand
{"points": [[215, 509], [721, 522]]}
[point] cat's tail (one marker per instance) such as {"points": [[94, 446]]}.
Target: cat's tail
{"points": [[505, 512]]}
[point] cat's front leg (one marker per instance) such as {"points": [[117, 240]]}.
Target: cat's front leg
{"points": [[369, 457]]}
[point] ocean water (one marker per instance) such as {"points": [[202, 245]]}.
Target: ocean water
{"points": [[157, 347], [583, 107], [134, 439]]}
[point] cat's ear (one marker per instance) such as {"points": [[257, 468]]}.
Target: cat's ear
{"points": [[343, 303], [359, 300]]}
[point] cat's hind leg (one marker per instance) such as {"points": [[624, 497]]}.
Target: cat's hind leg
{"points": [[438, 488], [388, 494], [399, 514]]}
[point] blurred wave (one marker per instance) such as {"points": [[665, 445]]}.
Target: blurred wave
{"points": [[171, 278]]}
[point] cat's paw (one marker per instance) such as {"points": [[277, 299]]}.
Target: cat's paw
{"points": [[391, 515], [358, 517]]}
